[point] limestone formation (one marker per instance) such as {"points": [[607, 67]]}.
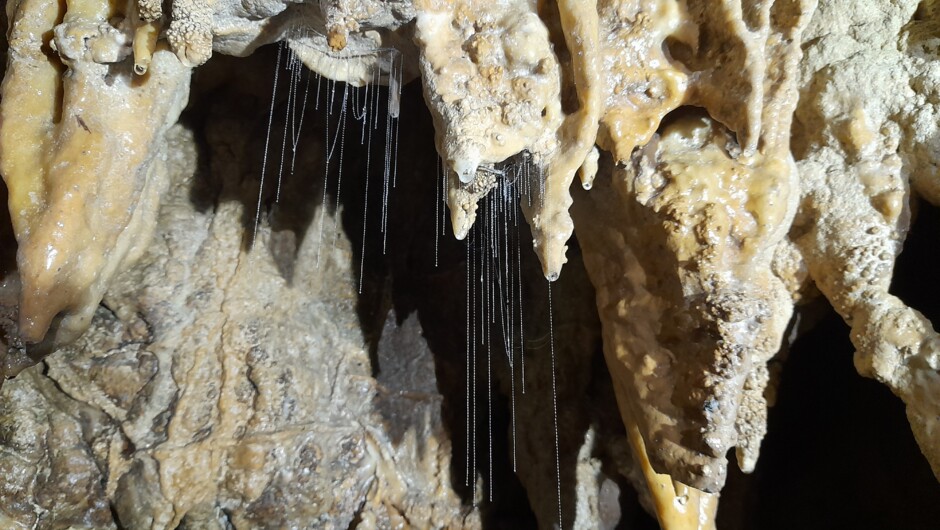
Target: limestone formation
{"points": [[80, 216], [862, 153], [734, 157]]}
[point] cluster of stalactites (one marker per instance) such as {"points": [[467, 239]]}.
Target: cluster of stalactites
{"points": [[91, 86], [496, 77], [558, 81], [685, 233], [682, 233]]}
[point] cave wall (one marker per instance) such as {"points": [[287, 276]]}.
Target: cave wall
{"points": [[311, 370]]}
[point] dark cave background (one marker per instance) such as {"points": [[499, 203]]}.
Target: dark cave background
{"points": [[839, 452]]}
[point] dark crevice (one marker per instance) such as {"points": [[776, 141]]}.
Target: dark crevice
{"points": [[839, 452], [914, 280], [116, 517]]}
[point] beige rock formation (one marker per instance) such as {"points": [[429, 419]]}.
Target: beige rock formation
{"points": [[731, 155], [80, 216], [685, 198], [865, 145]]}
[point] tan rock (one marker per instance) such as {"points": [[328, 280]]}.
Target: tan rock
{"points": [[79, 216], [865, 125], [793, 172]]}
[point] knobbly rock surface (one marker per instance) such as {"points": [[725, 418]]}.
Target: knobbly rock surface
{"points": [[215, 391]]}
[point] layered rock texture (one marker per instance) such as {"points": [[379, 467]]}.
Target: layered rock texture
{"points": [[194, 346]]}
